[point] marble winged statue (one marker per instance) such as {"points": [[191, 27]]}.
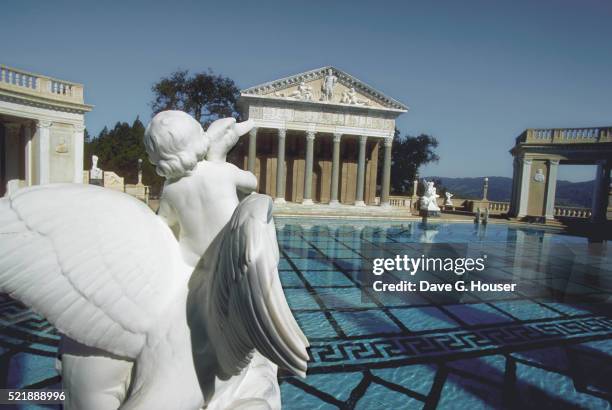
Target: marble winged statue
{"points": [[181, 310]]}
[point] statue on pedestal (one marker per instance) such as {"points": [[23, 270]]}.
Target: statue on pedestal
{"points": [[429, 204], [448, 201], [181, 310], [95, 172]]}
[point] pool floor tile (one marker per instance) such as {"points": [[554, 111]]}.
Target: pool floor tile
{"points": [[423, 318], [365, 322], [315, 325], [526, 310], [327, 278], [478, 314], [344, 298], [300, 299]]}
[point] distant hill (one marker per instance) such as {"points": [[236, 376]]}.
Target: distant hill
{"points": [[568, 193]]}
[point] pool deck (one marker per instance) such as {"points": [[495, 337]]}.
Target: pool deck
{"points": [[370, 212]]}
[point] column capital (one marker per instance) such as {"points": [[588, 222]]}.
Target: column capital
{"points": [[388, 142], [282, 132], [524, 160], [310, 135], [554, 162], [79, 127], [253, 131], [43, 124], [363, 139], [337, 136]]}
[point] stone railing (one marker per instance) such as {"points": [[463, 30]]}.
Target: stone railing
{"points": [[495, 207], [499, 207], [572, 212], [565, 135], [13, 79], [396, 201]]}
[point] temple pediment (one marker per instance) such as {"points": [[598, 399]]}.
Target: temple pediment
{"points": [[325, 85]]}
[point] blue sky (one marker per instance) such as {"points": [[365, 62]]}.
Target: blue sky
{"points": [[474, 73]]}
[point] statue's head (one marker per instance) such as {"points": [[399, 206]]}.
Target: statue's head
{"points": [[175, 142], [94, 161], [223, 134], [330, 71]]}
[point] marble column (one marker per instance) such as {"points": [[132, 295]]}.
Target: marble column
{"points": [[513, 194], [280, 167], [523, 198], [361, 171], [43, 135], [78, 141], [252, 150], [27, 134], [335, 169], [386, 176], [551, 188], [307, 199], [601, 192]]}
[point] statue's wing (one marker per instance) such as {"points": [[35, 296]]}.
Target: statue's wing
{"points": [[98, 264], [236, 302]]}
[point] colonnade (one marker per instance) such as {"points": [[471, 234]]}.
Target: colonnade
{"points": [[335, 174]]}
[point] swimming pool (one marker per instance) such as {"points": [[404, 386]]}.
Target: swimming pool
{"points": [[548, 344]]}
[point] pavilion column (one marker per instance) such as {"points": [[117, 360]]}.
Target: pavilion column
{"points": [[514, 193], [280, 167], [386, 176], [551, 188], [43, 131], [361, 171], [78, 141], [310, 137], [523, 197], [29, 177], [252, 150], [335, 169], [601, 192]]}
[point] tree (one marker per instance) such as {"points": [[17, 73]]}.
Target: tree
{"points": [[119, 149], [206, 95], [407, 155]]}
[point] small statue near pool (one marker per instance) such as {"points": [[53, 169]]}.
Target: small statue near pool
{"points": [[429, 200]]}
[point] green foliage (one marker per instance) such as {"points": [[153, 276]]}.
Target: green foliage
{"points": [[206, 96], [119, 149], [407, 155]]}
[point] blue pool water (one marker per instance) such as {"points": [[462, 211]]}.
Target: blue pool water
{"points": [[548, 344]]}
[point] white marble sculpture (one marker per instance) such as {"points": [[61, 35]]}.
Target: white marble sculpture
{"points": [[448, 201], [95, 172], [152, 322], [303, 92], [351, 97], [429, 200], [327, 88], [539, 176]]}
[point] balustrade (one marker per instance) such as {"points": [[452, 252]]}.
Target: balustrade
{"points": [[572, 212], [566, 135], [40, 85]]}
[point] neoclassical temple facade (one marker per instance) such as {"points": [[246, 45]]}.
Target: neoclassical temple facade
{"points": [[317, 138], [41, 129]]}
